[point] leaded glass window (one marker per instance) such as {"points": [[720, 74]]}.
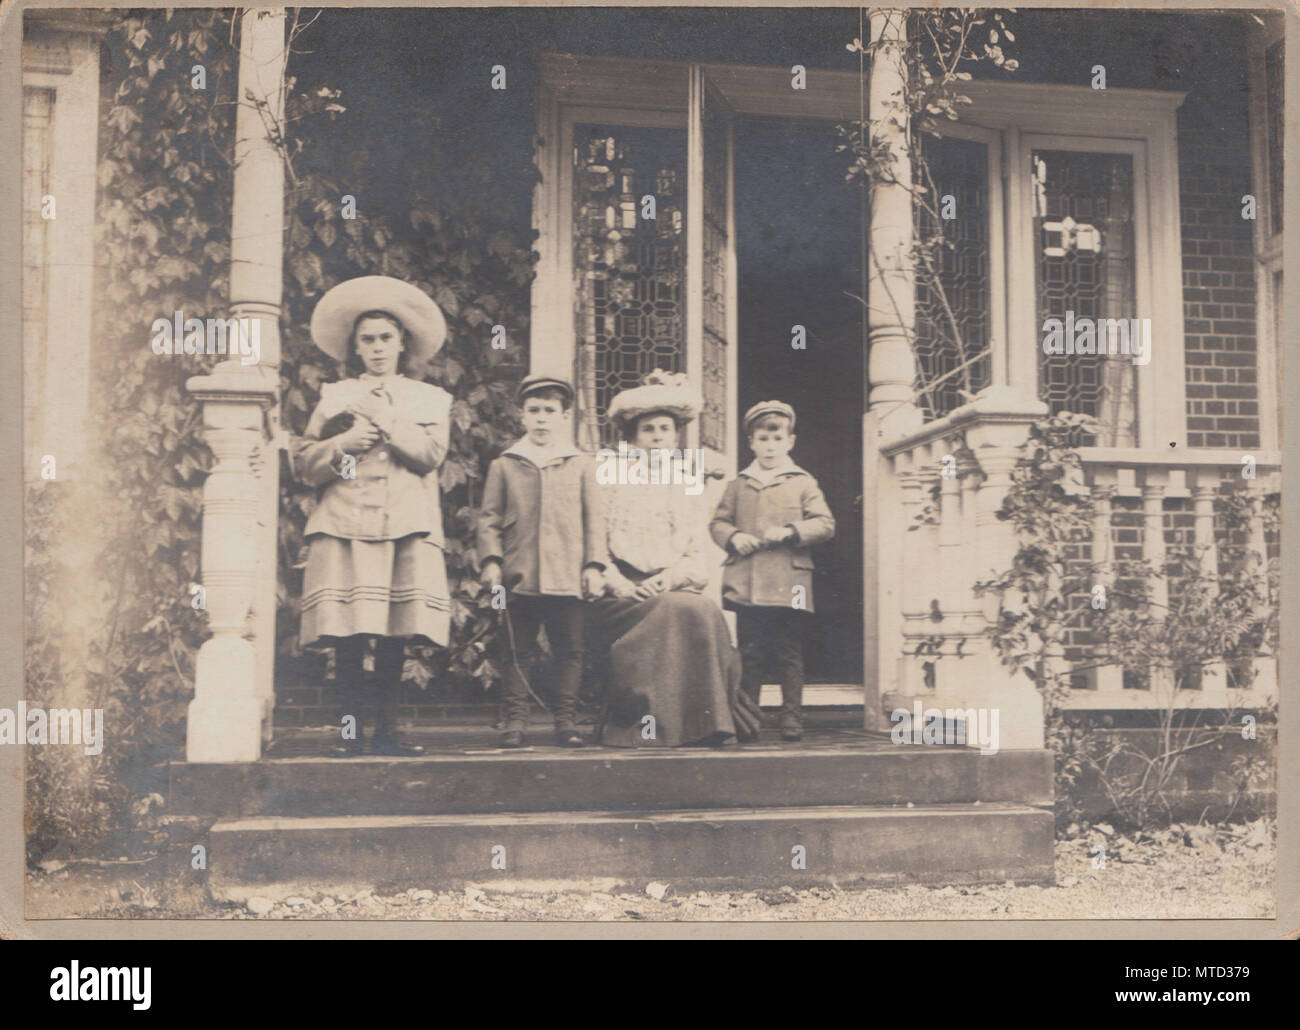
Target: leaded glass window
{"points": [[1085, 257], [628, 269], [952, 318], [713, 417]]}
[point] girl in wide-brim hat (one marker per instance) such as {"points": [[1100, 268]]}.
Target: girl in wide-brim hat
{"points": [[375, 568]]}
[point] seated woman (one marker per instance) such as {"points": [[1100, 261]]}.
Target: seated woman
{"points": [[670, 655]]}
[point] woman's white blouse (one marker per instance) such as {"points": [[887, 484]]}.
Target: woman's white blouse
{"points": [[653, 527]]}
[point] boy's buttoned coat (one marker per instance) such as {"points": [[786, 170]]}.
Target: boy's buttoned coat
{"points": [[544, 525], [769, 575], [393, 489]]}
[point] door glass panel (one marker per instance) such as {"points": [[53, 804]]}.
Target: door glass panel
{"points": [[952, 326], [713, 417], [628, 269], [1084, 228]]}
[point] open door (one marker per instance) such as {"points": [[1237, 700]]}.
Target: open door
{"points": [[711, 305]]}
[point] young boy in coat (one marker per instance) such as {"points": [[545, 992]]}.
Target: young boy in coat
{"points": [[541, 536], [769, 517]]}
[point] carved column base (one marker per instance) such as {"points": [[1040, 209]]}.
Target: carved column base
{"points": [[225, 718]]}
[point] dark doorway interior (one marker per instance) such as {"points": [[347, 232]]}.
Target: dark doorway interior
{"points": [[797, 254]]}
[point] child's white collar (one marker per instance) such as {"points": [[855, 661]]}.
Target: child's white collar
{"points": [[765, 476], [541, 456]]}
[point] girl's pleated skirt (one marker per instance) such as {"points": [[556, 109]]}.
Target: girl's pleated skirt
{"points": [[389, 588]]}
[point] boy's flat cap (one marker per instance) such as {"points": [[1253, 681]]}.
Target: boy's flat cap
{"points": [[768, 408], [540, 381]]}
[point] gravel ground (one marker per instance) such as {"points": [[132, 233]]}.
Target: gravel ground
{"points": [[1185, 872]]}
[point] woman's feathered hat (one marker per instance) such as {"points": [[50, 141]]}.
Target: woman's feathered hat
{"points": [[660, 391], [337, 312]]}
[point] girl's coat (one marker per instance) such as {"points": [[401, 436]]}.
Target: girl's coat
{"points": [[392, 493]]}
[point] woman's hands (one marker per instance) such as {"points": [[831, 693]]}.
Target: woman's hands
{"points": [[648, 588]]}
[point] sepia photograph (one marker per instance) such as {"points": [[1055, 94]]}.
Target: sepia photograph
{"points": [[694, 464]]}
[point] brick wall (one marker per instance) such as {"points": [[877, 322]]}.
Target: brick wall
{"points": [[1218, 285]]}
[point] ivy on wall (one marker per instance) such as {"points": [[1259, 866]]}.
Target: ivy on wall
{"points": [[165, 179]]}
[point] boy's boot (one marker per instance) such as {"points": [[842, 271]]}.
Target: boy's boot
{"points": [[791, 723], [565, 632], [568, 675], [349, 678], [514, 705], [790, 659], [754, 647]]}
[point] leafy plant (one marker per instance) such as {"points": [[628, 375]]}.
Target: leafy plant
{"points": [[1215, 619]]}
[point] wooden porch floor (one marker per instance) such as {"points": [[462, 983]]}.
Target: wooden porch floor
{"points": [[820, 734]]}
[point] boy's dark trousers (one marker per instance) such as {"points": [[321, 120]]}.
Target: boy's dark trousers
{"points": [[772, 638], [563, 618]]}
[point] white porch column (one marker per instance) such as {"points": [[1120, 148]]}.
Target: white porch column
{"points": [[230, 715], [891, 304], [256, 288]]}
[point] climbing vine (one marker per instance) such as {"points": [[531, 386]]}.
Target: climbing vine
{"points": [[163, 238], [941, 47]]}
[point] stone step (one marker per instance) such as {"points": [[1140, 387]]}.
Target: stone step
{"points": [[961, 843], [469, 775]]}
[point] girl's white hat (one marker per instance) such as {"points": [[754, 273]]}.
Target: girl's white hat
{"points": [[660, 391], [337, 312]]}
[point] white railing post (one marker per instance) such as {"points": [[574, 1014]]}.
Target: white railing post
{"points": [[1102, 486]]}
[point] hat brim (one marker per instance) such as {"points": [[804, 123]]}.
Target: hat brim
{"points": [[338, 310]]}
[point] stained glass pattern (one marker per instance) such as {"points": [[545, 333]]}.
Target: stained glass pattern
{"points": [[1083, 222], [628, 269], [713, 418], [948, 362]]}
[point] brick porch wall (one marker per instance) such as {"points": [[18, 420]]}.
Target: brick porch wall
{"points": [[1218, 284]]}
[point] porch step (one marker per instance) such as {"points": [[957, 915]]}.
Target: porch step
{"points": [[829, 768], [844, 844], [320, 705]]}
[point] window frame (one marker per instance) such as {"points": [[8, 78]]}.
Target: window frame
{"points": [[1001, 115], [1026, 249]]}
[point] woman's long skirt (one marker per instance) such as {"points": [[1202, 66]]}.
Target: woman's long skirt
{"points": [[670, 658], [388, 588]]}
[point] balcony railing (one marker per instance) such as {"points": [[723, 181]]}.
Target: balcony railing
{"points": [[948, 480]]}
